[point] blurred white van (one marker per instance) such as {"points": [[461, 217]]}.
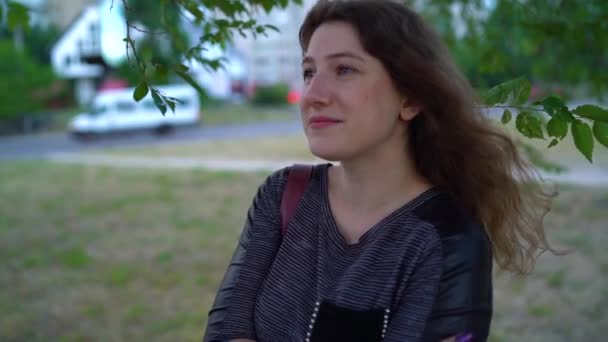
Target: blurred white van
{"points": [[115, 111]]}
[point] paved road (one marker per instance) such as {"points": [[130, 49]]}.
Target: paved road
{"points": [[43, 145]]}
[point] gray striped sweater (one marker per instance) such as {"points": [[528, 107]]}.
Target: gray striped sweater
{"points": [[395, 267]]}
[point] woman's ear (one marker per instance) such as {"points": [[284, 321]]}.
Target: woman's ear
{"points": [[409, 110]]}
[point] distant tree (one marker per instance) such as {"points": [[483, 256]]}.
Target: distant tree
{"points": [[558, 45], [548, 41], [25, 82], [39, 40]]}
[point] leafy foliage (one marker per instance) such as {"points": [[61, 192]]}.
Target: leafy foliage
{"points": [[531, 123], [271, 95], [18, 94]]}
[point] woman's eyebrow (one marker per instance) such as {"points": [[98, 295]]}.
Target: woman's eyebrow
{"points": [[347, 54]]}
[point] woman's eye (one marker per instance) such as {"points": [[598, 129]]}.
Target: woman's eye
{"points": [[307, 74], [344, 70]]}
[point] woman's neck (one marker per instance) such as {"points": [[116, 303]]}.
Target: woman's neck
{"points": [[376, 182]]}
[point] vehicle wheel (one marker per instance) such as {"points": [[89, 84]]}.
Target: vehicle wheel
{"points": [[83, 136], [163, 129]]}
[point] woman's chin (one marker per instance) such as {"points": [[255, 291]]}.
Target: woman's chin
{"points": [[326, 154]]}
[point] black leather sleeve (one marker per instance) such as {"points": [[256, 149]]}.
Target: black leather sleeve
{"points": [[464, 299], [222, 298], [263, 212]]}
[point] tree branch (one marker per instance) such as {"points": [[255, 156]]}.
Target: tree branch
{"points": [[140, 65], [514, 107], [147, 31]]}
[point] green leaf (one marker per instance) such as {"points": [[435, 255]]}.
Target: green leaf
{"points": [[186, 77], [583, 138], [506, 117], [158, 101], [272, 28], [171, 105], [161, 70], [494, 96], [553, 143], [600, 132], [17, 15], [529, 124], [557, 128], [552, 104], [563, 114], [592, 112], [520, 88], [140, 91], [193, 9], [516, 92], [180, 67]]}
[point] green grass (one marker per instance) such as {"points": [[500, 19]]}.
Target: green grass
{"points": [[223, 113], [540, 311], [99, 254], [556, 279], [267, 148], [96, 253]]}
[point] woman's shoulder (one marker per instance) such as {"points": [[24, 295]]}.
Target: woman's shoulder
{"points": [[275, 183], [460, 233]]}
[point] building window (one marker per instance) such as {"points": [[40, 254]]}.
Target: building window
{"points": [[125, 106], [262, 60], [80, 46], [94, 35]]}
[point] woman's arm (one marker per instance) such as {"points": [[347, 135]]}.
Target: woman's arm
{"points": [[231, 316], [464, 301], [223, 296], [408, 321], [462, 304]]}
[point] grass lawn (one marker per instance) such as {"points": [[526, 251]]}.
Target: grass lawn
{"points": [[271, 148], [101, 254], [214, 114]]}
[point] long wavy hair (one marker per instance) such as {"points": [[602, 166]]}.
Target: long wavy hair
{"points": [[453, 143]]}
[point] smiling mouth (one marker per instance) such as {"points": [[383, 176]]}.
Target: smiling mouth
{"points": [[323, 122]]}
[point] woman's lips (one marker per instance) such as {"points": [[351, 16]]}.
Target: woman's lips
{"points": [[322, 122]]}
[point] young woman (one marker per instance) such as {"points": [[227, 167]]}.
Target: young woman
{"points": [[396, 240]]}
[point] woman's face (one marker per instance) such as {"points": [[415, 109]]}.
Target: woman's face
{"points": [[350, 106]]}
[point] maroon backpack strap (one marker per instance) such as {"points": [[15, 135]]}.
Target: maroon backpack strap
{"points": [[297, 181]]}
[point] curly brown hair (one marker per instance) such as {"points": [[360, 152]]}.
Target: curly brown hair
{"points": [[453, 143]]}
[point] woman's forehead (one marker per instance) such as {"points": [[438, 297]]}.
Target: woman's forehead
{"points": [[333, 40]]}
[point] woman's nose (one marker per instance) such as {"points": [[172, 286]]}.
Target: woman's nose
{"points": [[316, 91]]}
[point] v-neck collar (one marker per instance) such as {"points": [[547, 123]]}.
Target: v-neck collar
{"points": [[332, 226]]}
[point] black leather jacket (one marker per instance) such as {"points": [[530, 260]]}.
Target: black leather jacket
{"points": [[464, 300]]}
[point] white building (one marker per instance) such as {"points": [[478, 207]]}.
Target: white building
{"points": [[93, 41], [77, 54], [277, 57], [263, 60]]}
